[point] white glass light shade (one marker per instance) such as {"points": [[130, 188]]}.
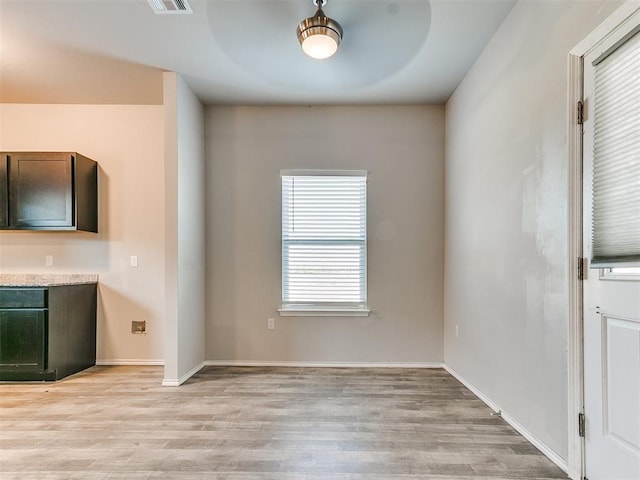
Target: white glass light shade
{"points": [[319, 46]]}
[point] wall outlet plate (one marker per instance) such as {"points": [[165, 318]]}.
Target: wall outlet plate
{"points": [[138, 327]]}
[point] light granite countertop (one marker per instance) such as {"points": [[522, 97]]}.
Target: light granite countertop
{"points": [[45, 279]]}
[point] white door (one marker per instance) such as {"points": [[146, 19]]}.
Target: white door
{"points": [[611, 304]]}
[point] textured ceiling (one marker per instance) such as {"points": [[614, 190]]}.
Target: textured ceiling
{"points": [[240, 51]]}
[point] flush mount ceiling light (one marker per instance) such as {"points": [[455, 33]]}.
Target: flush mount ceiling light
{"points": [[319, 35]]}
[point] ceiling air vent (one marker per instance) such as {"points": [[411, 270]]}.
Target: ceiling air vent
{"points": [[170, 6]]}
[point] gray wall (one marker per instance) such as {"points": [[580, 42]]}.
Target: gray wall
{"points": [[402, 148], [506, 216]]}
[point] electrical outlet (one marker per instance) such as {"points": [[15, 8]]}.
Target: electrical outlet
{"points": [[48, 261], [457, 331], [133, 261], [138, 327], [271, 323]]}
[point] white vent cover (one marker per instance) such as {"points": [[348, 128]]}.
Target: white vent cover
{"points": [[170, 6]]}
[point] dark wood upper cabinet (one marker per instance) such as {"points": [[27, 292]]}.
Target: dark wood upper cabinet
{"points": [[41, 190], [49, 191], [4, 207]]}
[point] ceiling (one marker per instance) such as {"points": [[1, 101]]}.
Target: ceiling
{"points": [[240, 51]]}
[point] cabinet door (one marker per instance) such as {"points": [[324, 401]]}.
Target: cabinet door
{"points": [[4, 194], [23, 340], [41, 190]]}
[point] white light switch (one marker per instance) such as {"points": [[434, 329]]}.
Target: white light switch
{"points": [[48, 261], [133, 261]]}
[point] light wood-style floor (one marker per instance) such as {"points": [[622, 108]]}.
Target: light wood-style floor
{"points": [[259, 423]]}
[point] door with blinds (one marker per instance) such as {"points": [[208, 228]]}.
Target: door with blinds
{"points": [[611, 194]]}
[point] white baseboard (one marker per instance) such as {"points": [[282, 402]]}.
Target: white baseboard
{"points": [[176, 382], [268, 363], [533, 439], [129, 361], [252, 363], [493, 406], [539, 444]]}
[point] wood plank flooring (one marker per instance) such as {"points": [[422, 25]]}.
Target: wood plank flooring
{"points": [[259, 423]]}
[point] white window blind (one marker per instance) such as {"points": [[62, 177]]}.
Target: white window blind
{"points": [[616, 162], [324, 239]]}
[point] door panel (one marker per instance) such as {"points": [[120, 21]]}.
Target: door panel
{"points": [[41, 190], [22, 340], [4, 194], [621, 380]]}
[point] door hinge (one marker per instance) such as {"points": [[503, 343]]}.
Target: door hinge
{"points": [[581, 422], [580, 268], [580, 112]]}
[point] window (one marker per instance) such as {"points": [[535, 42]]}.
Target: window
{"points": [[324, 243], [620, 273], [616, 158]]}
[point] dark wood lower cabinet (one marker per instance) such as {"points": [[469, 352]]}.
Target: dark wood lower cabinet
{"points": [[47, 333], [23, 336]]}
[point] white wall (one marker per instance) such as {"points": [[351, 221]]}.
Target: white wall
{"points": [[506, 216], [191, 229], [402, 149], [185, 232], [125, 141]]}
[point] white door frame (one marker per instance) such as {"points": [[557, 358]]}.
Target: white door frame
{"points": [[575, 345]]}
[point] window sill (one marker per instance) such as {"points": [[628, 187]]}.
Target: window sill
{"points": [[320, 311]]}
